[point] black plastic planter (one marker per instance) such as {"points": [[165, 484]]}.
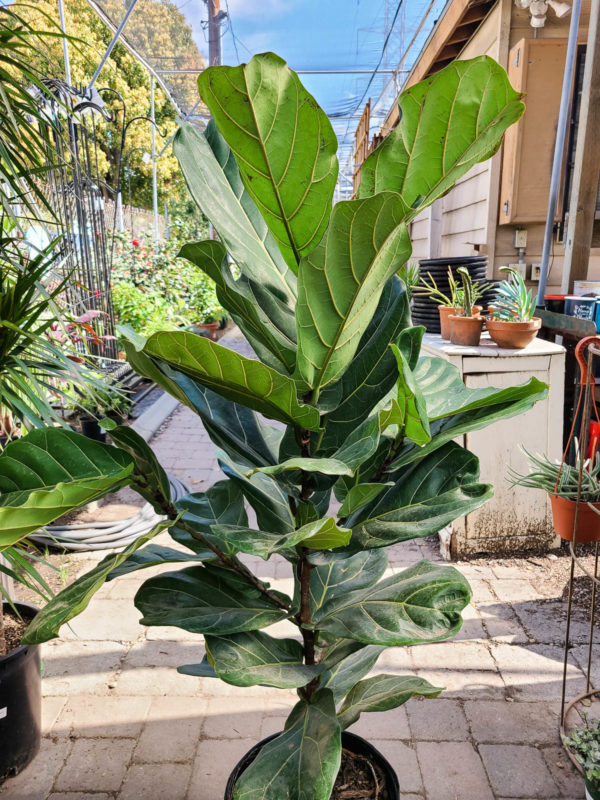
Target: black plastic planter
{"points": [[350, 741], [91, 429], [20, 703]]}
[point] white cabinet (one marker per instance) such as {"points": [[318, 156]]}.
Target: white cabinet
{"points": [[515, 519]]}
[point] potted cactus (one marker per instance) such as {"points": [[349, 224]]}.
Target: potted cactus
{"points": [[317, 296], [511, 323], [467, 323]]}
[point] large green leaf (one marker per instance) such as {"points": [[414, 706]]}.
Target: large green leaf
{"points": [[336, 574], [76, 597], [151, 481], [448, 122], [300, 764], [326, 466], [433, 492], [381, 693], [253, 658], [239, 226], [243, 380], [359, 495], [455, 410], [341, 280], [205, 599], [153, 555], [238, 297], [265, 496], [421, 604], [283, 143], [373, 370], [50, 472], [415, 425], [347, 662], [221, 504]]}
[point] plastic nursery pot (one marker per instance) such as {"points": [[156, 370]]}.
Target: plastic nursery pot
{"points": [[465, 330], [592, 791], [211, 327], [20, 703], [91, 428], [351, 742], [563, 514], [513, 335], [446, 312]]}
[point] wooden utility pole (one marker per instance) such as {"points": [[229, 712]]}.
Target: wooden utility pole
{"points": [[586, 171], [214, 32]]}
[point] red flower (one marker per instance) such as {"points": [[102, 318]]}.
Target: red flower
{"points": [[135, 242]]}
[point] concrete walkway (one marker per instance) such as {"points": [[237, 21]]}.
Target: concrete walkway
{"points": [[120, 722]]}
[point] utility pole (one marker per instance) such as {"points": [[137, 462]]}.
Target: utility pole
{"points": [[154, 175], [214, 32]]}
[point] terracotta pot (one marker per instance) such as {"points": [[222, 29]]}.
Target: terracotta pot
{"points": [[211, 327], [465, 330], [563, 514], [446, 312], [513, 335]]}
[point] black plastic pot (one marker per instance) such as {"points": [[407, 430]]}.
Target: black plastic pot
{"points": [[20, 703], [350, 741], [91, 429]]}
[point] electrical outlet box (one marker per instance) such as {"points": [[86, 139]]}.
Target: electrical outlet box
{"points": [[520, 238], [535, 272], [520, 268]]}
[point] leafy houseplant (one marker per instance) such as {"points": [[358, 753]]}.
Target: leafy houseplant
{"points": [[363, 418], [584, 743], [466, 324], [109, 401], [511, 322], [561, 482]]}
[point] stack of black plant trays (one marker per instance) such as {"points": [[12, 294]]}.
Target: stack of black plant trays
{"points": [[424, 309]]}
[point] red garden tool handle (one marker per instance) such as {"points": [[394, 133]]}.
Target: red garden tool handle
{"points": [[580, 349]]}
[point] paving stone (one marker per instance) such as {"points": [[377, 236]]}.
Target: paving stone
{"points": [[515, 591], [404, 762], [105, 717], [566, 776], [150, 669], [78, 796], [505, 722], [233, 718], [453, 655], [171, 731], [383, 725], [482, 592], [51, 708], [475, 571], [472, 628], [453, 771], [72, 668], [106, 620], [437, 720], [517, 771], [36, 780], [213, 764], [95, 765], [545, 622], [501, 623], [534, 672], [156, 780], [466, 684]]}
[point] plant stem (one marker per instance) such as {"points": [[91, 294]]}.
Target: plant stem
{"points": [[2, 639]]}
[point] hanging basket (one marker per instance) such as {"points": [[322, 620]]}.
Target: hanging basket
{"points": [[588, 522]]}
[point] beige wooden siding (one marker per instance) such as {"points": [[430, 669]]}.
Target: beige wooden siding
{"points": [[419, 234]]}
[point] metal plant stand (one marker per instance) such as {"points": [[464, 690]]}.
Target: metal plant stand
{"points": [[571, 708]]}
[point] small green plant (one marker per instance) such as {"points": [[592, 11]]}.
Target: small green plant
{"points": [[429, 288], [562, 480], [514, 301], [409, 275], [108, 400], [468, 300], [584, 743]]}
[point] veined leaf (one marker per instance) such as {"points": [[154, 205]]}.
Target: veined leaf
{"points": [[320, 534], [239, 299], [436, 490], [205, 600], [148, 475], [76, 597], [283, 143], [153, 555], [381, 693], [359, 495], [243, 380], [410, 399], [421, 604], [324, 534], [250, 244], [356, 661], [448, 122], [253, 658], [221, 504], [335, 574], [302, 763], [341, 280], [50, 472], [327, 466]]}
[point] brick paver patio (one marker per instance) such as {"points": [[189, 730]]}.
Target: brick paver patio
{"points": [[120, 722]]}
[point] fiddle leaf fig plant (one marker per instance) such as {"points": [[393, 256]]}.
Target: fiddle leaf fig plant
{"points": [[361, 420]]}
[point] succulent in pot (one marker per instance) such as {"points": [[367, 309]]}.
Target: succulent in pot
{"points": [[584, 744], [452, 303], [467, 323], [364, 419], [560, 481], [512, 323]]}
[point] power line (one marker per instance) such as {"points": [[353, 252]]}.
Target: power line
{"points": [[233, 36]]}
